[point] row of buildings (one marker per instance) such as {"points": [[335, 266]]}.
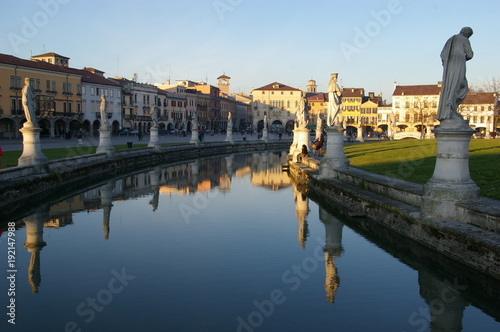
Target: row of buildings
{"points": [[413, 108], [69, 99]]}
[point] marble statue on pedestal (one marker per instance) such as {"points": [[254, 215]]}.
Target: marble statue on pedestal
{"points": [[301, 114], [154, 115], [28, 100], [229, 122], [455, 53], [334, 100], [104, 116]]}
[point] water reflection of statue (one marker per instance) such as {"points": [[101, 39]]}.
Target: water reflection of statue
{"points": [[334, 100], [104, 116], [28, 100], [154, 115], [455, 53], [332, 249]]}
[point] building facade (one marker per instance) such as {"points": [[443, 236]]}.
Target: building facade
{"points": [[279, 102], [57, 95]]}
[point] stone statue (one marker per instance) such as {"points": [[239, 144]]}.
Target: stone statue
{"points": [[334, 100], [301, 114], [104, 116], [455, 53], [194, 122], [28, 100], [154, 115], [229, 122], [265, 121]]}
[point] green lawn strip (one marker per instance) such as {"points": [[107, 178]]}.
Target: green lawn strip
{"points": [[414, 161], [9, 158]]}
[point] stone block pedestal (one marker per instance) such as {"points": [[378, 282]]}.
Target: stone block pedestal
{"points": [[105, 145], [300, 137], [451, 182], [32, 151], [335, 156], [153, 139]]}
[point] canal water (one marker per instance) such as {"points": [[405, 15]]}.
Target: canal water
{"points": [[226, 244]]}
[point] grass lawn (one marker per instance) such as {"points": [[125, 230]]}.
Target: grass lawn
{"points": [[414, 160], [411, 160], [9, 158]]}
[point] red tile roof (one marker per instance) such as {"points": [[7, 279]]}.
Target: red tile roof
{"points": [[353, 92], [417, 90], [277, 86], [318, 97], [86, 75], [42, 65], [480, 98]]}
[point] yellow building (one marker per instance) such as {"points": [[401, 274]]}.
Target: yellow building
{"points": [[279, 102], [415, 107], [318, 105], [57, 90], [352, 98]]}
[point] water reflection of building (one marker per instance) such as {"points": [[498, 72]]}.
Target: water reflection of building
{"points": [[332, 249], [301, 211], [267, 170]]}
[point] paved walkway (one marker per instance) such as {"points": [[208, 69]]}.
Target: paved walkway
{"points": [[15, 144]]}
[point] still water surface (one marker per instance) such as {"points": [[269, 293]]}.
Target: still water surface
{"points": [[225, 244]]}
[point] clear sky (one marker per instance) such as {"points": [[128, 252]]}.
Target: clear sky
{"points": [[371, 44]]}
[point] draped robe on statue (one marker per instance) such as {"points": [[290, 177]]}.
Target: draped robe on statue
{"points": [[456, 52]]}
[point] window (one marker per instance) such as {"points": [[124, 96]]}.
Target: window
{"points": [[47, 85], [15, 82], [84, 90], [54, 87], [111, 93], [92, 91]]}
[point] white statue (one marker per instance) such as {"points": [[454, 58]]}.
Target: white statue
{"points": [[334, 100], [28, 100], [194, 122], [301, 114], [265, 121], [104, 116], [455, 53], [154, 115], [229, 122]]}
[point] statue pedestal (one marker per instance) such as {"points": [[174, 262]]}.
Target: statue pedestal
{"points": [[32, 151], [300, 137], [265, 136], [334, 157], [105, 145], [153, 139], [229, 136], [451, 182], [194, 136]]}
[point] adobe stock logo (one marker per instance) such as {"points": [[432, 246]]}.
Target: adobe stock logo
{"points": [[31, 27], [363, 37]]}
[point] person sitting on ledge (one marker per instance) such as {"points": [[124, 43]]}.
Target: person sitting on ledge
{"points": [[303, 154]]}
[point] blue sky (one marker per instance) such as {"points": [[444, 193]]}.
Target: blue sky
{"points": [[370, 44]]}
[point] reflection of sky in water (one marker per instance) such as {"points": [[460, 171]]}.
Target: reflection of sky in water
{"points": [[239, 246]]}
